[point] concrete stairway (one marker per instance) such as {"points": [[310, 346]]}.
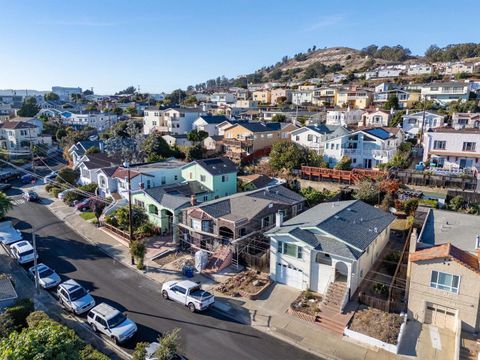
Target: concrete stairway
{"points": [[330, 316]]}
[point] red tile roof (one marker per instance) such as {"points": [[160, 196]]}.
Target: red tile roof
{"points": [[122, 173], [450, 252]]}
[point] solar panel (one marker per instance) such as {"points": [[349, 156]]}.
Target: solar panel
{"points": [[380, 133]]}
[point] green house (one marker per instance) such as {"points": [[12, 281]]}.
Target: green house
{"points": [[217, 174], [204, 180]]}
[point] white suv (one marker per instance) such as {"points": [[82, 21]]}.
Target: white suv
{"points": [[22, 251], [74, 297], [111, 322]]}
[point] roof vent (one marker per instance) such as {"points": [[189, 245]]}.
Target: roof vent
{"points": [[348, 209], [337, 217], [375, 229]]}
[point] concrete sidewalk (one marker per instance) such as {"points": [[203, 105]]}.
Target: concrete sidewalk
{"points": [[266, 314]]}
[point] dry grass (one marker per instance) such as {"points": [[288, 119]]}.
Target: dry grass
{"points": [[377, 324], [249, 281], [307, 302]]}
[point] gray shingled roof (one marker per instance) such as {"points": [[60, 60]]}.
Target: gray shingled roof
{"points": [[354, 222], [250, 204], [216, 166], [175, 196]]}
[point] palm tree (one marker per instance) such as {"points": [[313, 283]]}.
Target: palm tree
{"points": [[5, 204]]}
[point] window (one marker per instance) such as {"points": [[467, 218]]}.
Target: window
{"points": [[439, 144], [152, 209], [139, 203], [207, 226], [102, 181], [176, 177], [196, 224], [202, 178], [190, 175], [310, 137], [205, 197], [224, 178], [163, 180], [297, 138], [444, 281], [290, 249], [468, 146], [101, 321]]}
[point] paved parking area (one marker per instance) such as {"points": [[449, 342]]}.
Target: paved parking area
{"points": [[435, 343]]}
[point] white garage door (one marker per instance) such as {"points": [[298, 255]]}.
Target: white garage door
{"points": [[440, 316], [289, 275]]}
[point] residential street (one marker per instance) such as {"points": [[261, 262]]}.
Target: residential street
{"points": [[204, 336]]}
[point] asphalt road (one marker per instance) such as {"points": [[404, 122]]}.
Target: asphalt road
{"points": [[207, 335]]}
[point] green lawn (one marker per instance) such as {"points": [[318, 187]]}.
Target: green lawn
{"points": [[88, 215]]}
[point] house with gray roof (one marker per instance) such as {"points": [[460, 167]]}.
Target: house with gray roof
{"points": [[329, 243], [313, 137], [230, 219]]}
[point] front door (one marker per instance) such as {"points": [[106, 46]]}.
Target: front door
{"points": [[367, 163]]}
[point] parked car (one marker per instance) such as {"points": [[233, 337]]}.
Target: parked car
{"points": [[22, 251], [27, 179], [188, 293], [61, 195], [153, 347], [47, 277], [111, 322], [8, 234], [9, 174], [5, 186], [84, 204], [50, 177], [74, 297], [30, 195]]}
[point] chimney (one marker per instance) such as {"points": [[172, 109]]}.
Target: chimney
{"points": [[279, 219], [193, 200]]}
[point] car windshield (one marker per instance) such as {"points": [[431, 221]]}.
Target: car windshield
{"points": [[26, 253], [116, 320], [45, 272], [78, 294]]}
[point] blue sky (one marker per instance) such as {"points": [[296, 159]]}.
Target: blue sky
{"points": [[162, 45]]}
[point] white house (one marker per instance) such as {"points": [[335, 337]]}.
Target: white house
{"points": [[458, 68], [344, 117], [146, 176], [383, 73], [413, 123], [79, 149], [209, 123], [300, 97], [153, 120], [367, 147], [89, 164], [180, 120], [177, 140], [467, 120], [99, 121], [375, 118], [419, 69], [223, 98], [332, 242], [313, 137], [452, 149], [18, 135], [446, 92]]}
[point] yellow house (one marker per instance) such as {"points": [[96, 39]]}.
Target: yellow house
{"points": [[262, 96], [325, 96], [243, 139]]}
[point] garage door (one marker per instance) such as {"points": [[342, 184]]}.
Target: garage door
{"points": [[289, 275], [440, 316]]}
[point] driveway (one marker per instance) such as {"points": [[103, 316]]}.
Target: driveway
{"points": [[435, 343]]}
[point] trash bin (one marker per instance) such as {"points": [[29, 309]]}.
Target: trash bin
{"points": [[188, 271]]}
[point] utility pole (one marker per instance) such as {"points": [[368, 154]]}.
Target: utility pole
{"points": [[130, 218]]}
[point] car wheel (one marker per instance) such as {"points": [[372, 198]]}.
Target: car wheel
{"points": [[115, 340], [165, 294], [94, 328], [191, 307]]}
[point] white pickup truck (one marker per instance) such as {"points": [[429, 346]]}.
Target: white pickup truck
{"points": [[188, 293]]}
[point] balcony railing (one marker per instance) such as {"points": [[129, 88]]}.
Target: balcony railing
{"points": [[369, 152], [244, 143]]}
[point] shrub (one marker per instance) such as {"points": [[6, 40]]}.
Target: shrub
{"points": [[345, 163], [145, 230], [456, 203], [71, 196], [90, 353], [35, 317], [55, 192], [140, 351], [14, 318], [410, 205], [380, 289], [138, 250], [91, 188]]}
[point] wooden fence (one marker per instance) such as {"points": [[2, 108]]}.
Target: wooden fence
{"points": [[116, 231], [384, 305]]}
